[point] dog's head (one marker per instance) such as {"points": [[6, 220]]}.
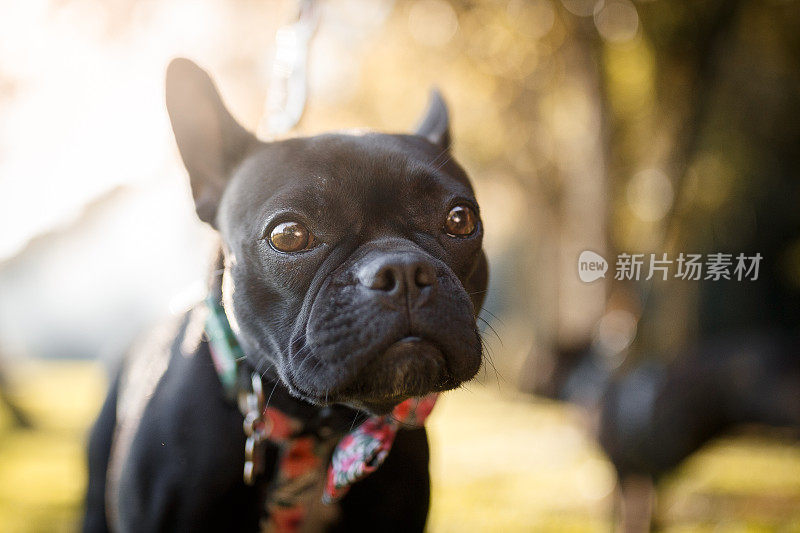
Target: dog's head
{"points": [[353, 263]]}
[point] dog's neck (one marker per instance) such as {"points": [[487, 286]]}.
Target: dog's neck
{"points": [[216, 292], [339, 418]]}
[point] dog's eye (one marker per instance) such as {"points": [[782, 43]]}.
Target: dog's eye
{"points": [[461, 221], [290, 237]]}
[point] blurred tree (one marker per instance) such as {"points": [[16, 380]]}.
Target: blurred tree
{"points": [[703, 115], [700, 106]]}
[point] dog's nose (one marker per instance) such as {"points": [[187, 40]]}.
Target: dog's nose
{"points": [[399, 276]]}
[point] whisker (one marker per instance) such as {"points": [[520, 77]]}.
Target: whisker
{"points": [[477, 292], [271, 393], [443, 163], [318, 363], [491, 328], [490, 360], [303, 352], [353, 423], [265, 363], [484, 310], [440, 154]]}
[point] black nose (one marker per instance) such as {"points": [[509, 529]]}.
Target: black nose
{"points": [[399, 276]]}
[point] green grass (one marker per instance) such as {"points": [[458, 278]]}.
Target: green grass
{"points": [[500, 462], [42, 470]]}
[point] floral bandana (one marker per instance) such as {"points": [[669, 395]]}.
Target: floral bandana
{"points": [[304, 455], [364, 449]]}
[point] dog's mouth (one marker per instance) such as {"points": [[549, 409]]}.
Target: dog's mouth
{"points": [[412, 366]]}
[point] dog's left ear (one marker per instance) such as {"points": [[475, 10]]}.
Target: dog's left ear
{"points": [[210, 140], [435, 124]]}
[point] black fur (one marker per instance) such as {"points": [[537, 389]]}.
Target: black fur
{"points": [[323, 325]]}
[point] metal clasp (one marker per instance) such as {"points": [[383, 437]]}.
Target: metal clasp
{"points": [[251, 404]]}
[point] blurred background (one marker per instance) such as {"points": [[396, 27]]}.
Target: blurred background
{"points": [[614, 126]]}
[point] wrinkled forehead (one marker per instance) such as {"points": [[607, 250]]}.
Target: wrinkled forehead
{"points": [[341, 176]]}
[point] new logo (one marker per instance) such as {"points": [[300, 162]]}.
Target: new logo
{"points": [[591, 266]]}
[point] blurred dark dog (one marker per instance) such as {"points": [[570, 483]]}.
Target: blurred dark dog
{"points": [[655, 415], [656, 412], [351, 273]]}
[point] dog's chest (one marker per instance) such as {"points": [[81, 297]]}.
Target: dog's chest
{"points": [[291, 502]]}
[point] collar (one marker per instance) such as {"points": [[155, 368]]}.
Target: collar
{"points": [[311, 456]]}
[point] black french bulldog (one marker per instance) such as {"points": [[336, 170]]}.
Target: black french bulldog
{"points": [[351, 270]]}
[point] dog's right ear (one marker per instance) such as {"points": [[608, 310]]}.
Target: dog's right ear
{"points": [[435, 123], [210, 141]]}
